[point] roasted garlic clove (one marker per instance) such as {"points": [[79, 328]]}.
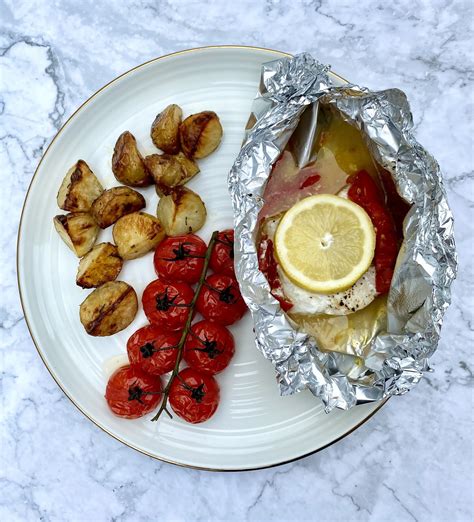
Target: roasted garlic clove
{"points": [[78, 230], [79, 188], [127, 162], [114, 203], [109, 309], [136, 234], [101, 265], [181, 211], [165, 129], [200, 134], [170, 171]]}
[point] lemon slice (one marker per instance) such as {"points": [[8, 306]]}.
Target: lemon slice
{"points": [[325, 243]]}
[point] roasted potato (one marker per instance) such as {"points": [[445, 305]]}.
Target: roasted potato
{"points": [[165, 129], [127, 162], [101, 265], [78, 230], [181, 211], [109, 309], [79, 188], [114, 203], [200, 134], [170, 171], [136, 234]]}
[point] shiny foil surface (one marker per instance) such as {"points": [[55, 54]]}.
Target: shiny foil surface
{"points": [[420, 293]]}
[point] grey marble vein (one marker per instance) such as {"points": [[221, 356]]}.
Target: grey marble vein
{"points": [[413, 460]]}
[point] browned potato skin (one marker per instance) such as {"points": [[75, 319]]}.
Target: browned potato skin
{"points": [[170, 171], [181, 212], [165, 129], [79, 188], [101, 265], [136, 234], [127, 162], [114, 203], [78, 230], [109, 309], [200, 134]]}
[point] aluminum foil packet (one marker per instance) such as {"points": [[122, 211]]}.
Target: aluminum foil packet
{"points": [[292, 89]]}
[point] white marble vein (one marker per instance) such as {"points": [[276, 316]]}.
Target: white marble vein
{"points": [[413, 461]]}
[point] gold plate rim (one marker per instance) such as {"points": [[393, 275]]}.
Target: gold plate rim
{"points": [[161, 459]]}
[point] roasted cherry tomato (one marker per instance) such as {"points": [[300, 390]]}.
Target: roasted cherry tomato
{"points": [[132, 393], [194, 396], [167, 304], [180, 258], [209, 347], [222, 255], [153, 349], [220, 299], [268, 266], [397, 206], [364, 192]]}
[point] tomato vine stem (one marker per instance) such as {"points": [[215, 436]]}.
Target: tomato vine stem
{"points": [[187, 326]]}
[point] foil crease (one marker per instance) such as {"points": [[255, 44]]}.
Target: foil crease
{"points": [[426, 264]]}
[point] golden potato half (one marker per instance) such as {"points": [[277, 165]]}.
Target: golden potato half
{"points": [[79, 188], [78, 230], [109, 309], [136, 234], [165, 129], [127, 162], [181, 211], [101, 265], [170, 171], [200, 134], [114, 203]]}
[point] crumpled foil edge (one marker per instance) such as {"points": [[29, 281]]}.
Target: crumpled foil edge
{"points": [[427, 261]]}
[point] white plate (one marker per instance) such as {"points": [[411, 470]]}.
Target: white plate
{"points": [[254, 427]]}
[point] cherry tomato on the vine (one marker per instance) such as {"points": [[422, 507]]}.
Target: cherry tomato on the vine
{"points": [[153, 349], [222, 255], [220, 299], [132, 393], [167, 304], [194, 396], [180, 258], [209, 347]]}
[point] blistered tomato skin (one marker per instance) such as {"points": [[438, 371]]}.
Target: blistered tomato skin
{"points": [[220, 300], [132, 393], [268, 266], [153, 349], [194, 396], [180, 259], [167, 304], [222, 256], [364, 192], [209, 347]]}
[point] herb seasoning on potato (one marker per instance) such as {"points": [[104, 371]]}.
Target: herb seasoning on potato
{"points": [[181, 211]]}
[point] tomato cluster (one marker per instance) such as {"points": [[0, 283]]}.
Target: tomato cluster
{"points": [[208, 346]]}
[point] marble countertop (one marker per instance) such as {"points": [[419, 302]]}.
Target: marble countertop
{"points": [[413, 460]]}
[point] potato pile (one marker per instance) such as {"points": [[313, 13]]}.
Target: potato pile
{"points": [[112, 306]]}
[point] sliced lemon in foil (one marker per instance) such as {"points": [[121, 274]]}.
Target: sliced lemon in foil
{"points": [[325, 243]]}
